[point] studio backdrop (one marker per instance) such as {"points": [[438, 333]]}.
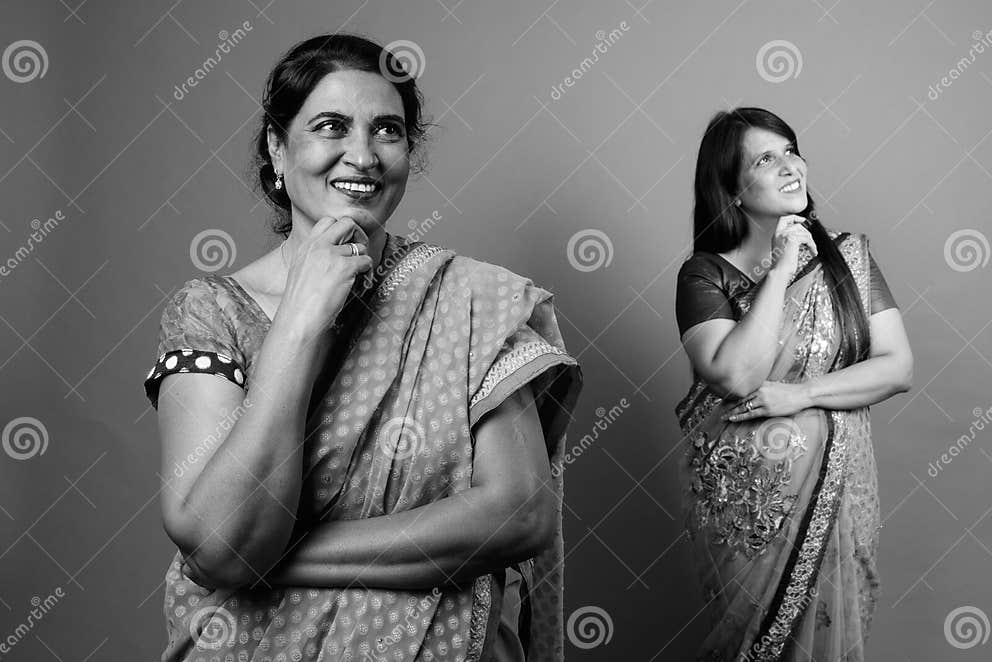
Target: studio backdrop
{"points": [[564, 146]]}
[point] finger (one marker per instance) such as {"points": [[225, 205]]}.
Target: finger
{"points": [[340, 231], [357, 235], [323, 224]]}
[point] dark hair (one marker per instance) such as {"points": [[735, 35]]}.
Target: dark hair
{"points": [[296, 75], [719, 225]]}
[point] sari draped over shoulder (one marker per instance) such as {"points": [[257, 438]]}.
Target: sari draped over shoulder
{"points": [[783, 512], [443, 340]]}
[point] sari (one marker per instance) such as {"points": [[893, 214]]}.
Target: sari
{"points": [[435, 343], [782, 512]]}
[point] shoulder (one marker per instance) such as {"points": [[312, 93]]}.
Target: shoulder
{"points": [[704, 265], [846, 238], [481, 275]]}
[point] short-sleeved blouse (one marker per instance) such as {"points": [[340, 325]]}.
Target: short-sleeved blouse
{"points": [[710, 287]]}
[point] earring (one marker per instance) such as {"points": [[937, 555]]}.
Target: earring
{"points": [[737, 202], [279, 182]]}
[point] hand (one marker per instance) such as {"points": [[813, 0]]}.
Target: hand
{"points": [[323, 272], [770, 400], [790, 234]]}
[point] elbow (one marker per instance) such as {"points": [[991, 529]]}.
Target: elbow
{"points": [[530, 526], [213, 564], [736, 386], [903, 381]]}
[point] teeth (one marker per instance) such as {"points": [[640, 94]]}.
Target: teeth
{"points": [[354, 186], [794, 186]]}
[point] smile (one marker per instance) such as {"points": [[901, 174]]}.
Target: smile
{"points": [[791, 187], [357, 189]]}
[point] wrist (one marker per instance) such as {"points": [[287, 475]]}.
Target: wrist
{"points": [[807, 393]]}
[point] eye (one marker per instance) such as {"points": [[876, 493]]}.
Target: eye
{"points": [[333, 126], [389, 131], [764, 159]]}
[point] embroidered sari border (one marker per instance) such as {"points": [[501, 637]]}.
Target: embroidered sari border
{"points": [[803, 566]]}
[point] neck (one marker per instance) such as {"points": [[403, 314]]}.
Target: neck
{"points": [[758, 244]]}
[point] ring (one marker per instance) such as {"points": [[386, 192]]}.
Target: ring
{"points": [[354, 249], [749, 405]]}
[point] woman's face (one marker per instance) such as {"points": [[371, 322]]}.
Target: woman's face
{"points": [[773, 176], [346, 151]]}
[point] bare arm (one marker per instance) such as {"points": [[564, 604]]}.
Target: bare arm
{"points": [[506, 516], [887, 371], [734, 358], [231, 511]]}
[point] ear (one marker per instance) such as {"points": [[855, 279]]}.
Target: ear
{"points": [[275, 149]]}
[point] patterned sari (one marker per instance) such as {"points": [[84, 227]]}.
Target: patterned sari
{"points": [[783, 512], [440, 341]]}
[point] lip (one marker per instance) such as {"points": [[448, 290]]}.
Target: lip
{"points": [[794, 181], [357, 195]]}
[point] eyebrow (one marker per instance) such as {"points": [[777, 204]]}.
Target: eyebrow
{"points": [[330, 114], [767, 151]]}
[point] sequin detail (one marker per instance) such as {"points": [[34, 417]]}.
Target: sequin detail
{"points": [[408, 263], [768, 647], [482, 598], [741, 484], [510, 363]]}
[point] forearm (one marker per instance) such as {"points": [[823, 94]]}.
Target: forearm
{"points": [[748, 352], [243, 504], [865, 383], [446, 542]]}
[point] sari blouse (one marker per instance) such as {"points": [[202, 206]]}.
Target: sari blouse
{"points": [[438, 341], [710, 287]]}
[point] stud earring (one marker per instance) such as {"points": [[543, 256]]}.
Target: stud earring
{"points": [[737, 202], [279, 182]]}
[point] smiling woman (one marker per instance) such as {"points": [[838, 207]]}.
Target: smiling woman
{"points": [[380, 482], [791, 333]]}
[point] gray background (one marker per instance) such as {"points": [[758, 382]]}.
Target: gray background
{"points": [[515, 174]]}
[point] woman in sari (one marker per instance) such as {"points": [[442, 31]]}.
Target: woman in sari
{"points": [[371, 478], [792, 333]]}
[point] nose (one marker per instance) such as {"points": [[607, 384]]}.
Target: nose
{"points": [[360, 153]]}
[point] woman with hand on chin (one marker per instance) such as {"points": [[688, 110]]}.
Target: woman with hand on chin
{"points": [[371, 478], [792, 333]]}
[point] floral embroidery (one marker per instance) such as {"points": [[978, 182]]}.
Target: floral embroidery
{"points": [[742, 489], [804, 573]]}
